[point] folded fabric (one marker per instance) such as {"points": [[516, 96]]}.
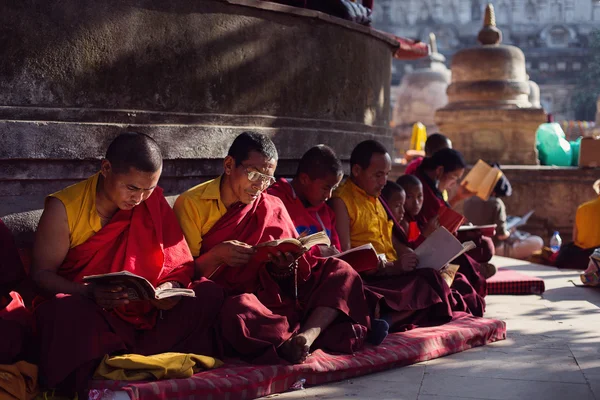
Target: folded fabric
{"points": [[18, 381], [135, 367]]}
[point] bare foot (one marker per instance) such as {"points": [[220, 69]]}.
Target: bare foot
{"points": [[295, 349]]}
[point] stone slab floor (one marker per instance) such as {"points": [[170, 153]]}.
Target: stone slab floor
{"points": [[552, 352]]}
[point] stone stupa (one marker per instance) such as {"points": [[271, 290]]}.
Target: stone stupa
{"points": [[489, 114], [420, 94]]}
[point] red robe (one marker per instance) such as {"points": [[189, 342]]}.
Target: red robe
{"points": [[15, 319], [420, 291], [75, 333], [466, 296], [261, 313], [433, 201], [307, 219]]}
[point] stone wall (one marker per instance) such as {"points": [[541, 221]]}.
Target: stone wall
{"points": [[193, 75], [553, 192]]}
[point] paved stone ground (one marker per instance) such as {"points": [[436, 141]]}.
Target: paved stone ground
{"points": [[552, 352]]}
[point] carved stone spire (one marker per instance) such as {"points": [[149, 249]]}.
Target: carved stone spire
{"points": [[489, 34]]}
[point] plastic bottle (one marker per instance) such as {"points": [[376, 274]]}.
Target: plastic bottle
{"points": [[555, 242]]}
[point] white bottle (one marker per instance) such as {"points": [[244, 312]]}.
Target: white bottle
{"points": [[555, 242]]}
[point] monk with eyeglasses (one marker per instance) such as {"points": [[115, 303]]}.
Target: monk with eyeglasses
{"points": [[277, 309]]}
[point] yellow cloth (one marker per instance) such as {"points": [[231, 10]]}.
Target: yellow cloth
{"points": [[368, 220], [198, 210], [135, 367], [419, 137], [80, 202], [588, 226], [18, 381]]}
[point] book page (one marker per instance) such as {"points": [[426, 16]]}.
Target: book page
{"points": [[515, 222], [367, 246], [174, 292], [482, 179], [136, 287], [275, 243], [319, 238], [438, 249]]}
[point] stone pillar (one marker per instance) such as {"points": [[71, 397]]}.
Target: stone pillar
{"points": [[75, 73]]}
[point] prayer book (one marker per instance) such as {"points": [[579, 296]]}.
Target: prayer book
{"points": [[515, 222], [137, 287], [450, 219], [482, 179], [362, 258], [486, 230], [291, 245], [440, 248]]}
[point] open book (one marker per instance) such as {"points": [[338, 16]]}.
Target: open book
{"points": [[515, 222], [290, 245], [362, 258], [450, 219], [486, 230], [482, 179], [137, 287], [440, 248]]}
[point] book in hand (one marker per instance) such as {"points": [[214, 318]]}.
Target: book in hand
{"points": [[291, 245], [450, 219], [482, 179], [515, 222], [136, 287], [440, 248], [362, 258], [486, 230]]}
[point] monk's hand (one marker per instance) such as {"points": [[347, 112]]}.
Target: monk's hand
{"points": [[462, 193], [108, 297], [432, 225], [169, 302], [406, 262], [233, 253], [328, 251]]}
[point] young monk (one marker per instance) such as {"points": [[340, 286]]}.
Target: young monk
{"points": [[319, 174], [586, 235], [15, 320], [434, 143], [116, 220], [285, 306], [467, 297], [406, 297]]}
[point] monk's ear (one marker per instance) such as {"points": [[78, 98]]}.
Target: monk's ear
{"points": [[105, 168], [355, 170], [304, 179], [439, 172], [228, 165]]}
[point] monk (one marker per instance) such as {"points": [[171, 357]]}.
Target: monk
{"points": [[116, 220], [407, 297], [15, 319], [319, 174], [441, 172], [434, 143], [282, 307], [467, 297]]}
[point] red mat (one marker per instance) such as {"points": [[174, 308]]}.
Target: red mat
{"points": [[238, 381], [507, 281]]}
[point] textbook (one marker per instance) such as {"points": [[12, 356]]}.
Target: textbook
{"points": [[450, 219], [482, 179], [440, 248], [486, 230], [362, 258], [515, 222], [137, 287], [291, 245]]}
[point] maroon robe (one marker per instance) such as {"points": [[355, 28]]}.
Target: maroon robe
{"points": [[15, 319], [75, 333], [262, 313], [465, 297]]}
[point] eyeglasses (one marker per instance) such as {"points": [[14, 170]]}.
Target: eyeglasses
{"points": [[255, 176]]}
